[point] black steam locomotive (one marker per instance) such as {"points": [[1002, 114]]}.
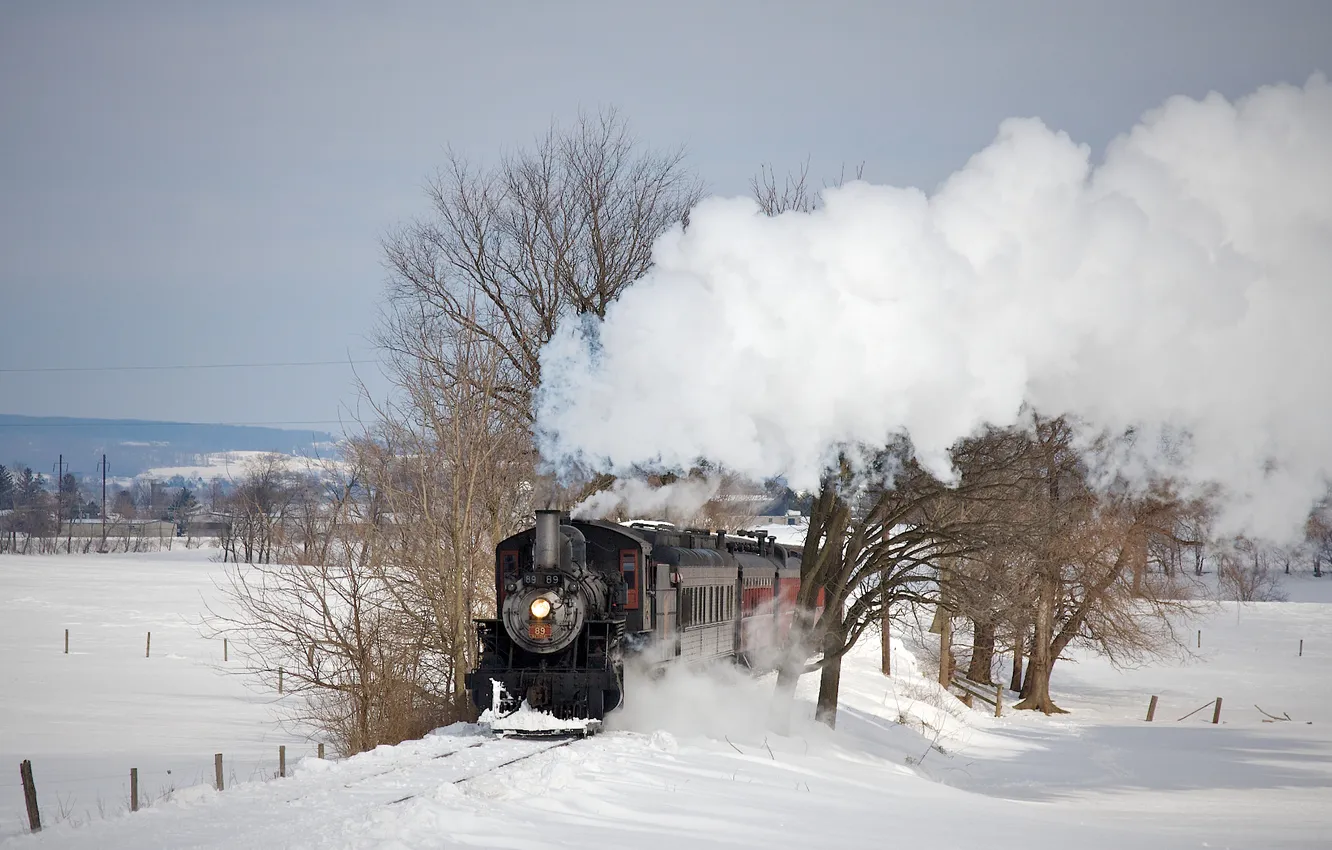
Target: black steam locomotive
{"points": [[575, 597]]}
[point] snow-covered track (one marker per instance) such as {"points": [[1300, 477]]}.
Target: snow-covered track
{"points": [[511, 761], [497, 753], [444, 755], [356, 781]]}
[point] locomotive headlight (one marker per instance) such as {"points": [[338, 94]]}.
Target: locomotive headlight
{"points": [[540, 608]]}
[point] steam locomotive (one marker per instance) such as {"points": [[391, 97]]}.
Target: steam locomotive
{"points": [[577, 598]]}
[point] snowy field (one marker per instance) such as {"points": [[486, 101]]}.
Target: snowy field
{"points": [[86, 718], [688, 764]]}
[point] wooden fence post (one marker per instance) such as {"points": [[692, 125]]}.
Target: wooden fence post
{"points": [[282, 761], [30, 796], [1151, 709], [998, 700], [224, 649], [321, 750], [1301, 643], [134, 789], [1200, 638], [67, 642], [279, 680], [217, 770], [1216, 715], [148, 646]]}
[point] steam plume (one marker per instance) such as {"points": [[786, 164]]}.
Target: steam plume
{"points": [[1182, 286], [682, 498]]}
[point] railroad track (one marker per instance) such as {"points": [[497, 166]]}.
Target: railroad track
{"points": [[399, 768], [507, 751], [491, 769]]}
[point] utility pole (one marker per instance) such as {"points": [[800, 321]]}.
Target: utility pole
{"points": [[103, 501], [60, 490]]}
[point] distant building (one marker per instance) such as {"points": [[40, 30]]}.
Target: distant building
{"points": [[788, 518], [119, 528]]}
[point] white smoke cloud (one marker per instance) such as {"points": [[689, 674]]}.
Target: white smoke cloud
{"points": [[683, 498], [1183, 285]]}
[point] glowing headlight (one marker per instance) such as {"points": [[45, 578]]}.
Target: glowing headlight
{"points": [[540, 608]]}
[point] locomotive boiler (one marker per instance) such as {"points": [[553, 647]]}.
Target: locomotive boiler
{"points": [[576, 598]]}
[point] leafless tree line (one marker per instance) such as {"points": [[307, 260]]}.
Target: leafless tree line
{"points": [[1246, 570]]}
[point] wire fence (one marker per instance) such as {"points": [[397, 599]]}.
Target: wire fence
{"points": [[33, 785]]}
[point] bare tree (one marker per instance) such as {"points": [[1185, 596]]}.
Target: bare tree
{"points": [[1246, 570], [992, 588], [122, 504], [259, 509], [328, 630], [1088, 548], [556, 230], [1318, 535], [879, 532], [1023, 545], [338, 604], [794, 193]]}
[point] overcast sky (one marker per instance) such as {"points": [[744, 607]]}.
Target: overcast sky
{"points": [[205, 183]]}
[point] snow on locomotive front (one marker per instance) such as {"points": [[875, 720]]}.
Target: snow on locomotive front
{"points": [[556, 641]]}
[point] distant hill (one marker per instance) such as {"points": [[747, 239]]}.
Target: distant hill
{"points": [[132, 446]]}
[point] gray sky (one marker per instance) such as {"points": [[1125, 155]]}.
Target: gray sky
{"points": [[191, 183]]}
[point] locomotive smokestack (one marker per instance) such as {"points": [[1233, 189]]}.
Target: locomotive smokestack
{"points": [[547, 550]]}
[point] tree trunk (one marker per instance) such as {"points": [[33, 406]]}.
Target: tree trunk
{"points": [[830, 681], [885, 642], [1015, 681], [790, 666], [885, 651], [783, 699], [1036, 688], [1138, 545], [946, 650], [982, 652]]}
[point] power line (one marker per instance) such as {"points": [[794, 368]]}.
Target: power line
{"points": [[112, 423], [160, 368]]}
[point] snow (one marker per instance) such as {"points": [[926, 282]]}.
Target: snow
{"points": [[233, 466], [224, 465], [690, 761], [86, 718], [528, 719]]}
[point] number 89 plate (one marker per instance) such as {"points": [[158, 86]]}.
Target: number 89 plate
{"points": [[539, 631]]}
